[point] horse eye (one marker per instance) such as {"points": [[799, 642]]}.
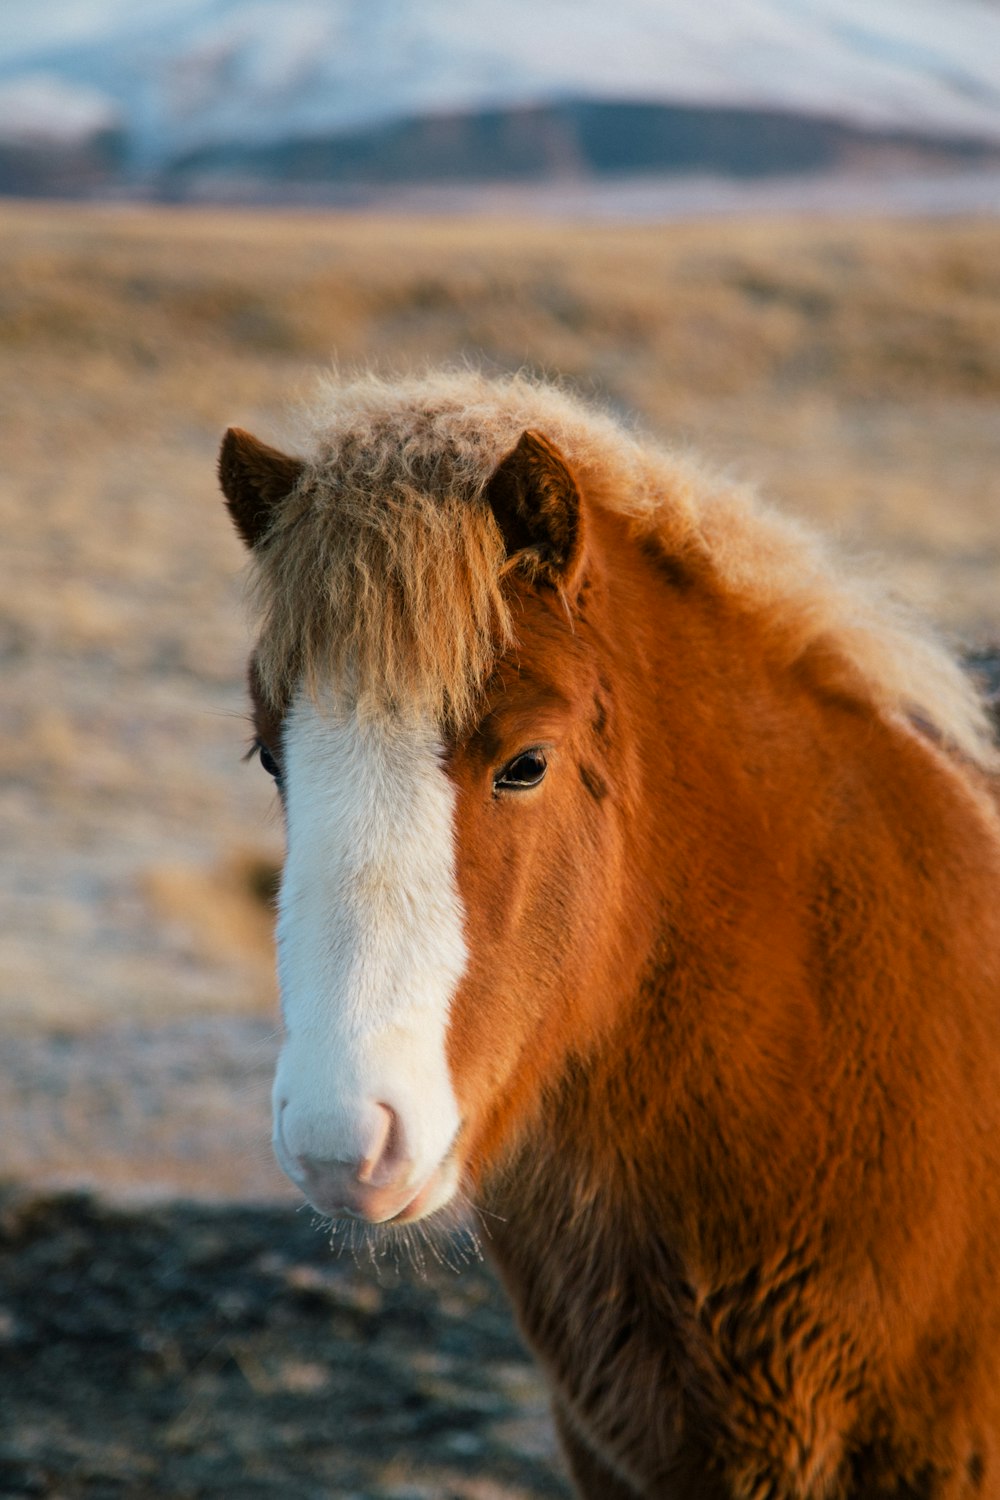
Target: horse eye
{"points": [[525, 770], [269, 763]]}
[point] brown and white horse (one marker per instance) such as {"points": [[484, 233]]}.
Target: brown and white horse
{"points": [[643, 886]]}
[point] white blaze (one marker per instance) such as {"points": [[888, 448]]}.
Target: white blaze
{"points": [[370, 936]]}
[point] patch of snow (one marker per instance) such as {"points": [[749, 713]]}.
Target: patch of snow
{"points": [[43, 109]]}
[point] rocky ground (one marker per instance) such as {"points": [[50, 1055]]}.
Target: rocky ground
{"points": [[197, 1351]]}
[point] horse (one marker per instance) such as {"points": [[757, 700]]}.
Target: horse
{"points": [[642, 891]]}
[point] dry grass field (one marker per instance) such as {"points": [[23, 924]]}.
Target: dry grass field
{"points": [[852, 368]]}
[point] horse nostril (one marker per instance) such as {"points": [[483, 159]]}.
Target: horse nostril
{"points": [[385, 1155]]}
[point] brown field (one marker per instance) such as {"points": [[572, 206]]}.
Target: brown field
{"points": [[216, 1350], [852, 368]]}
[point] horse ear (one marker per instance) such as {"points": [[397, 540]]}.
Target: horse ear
{"points": [[537, 505], [254, 479]]}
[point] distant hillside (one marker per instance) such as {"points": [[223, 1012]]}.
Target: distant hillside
{"points": [[179, 97], [578, 138]]}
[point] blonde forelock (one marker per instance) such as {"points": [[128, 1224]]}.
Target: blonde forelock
{"points": [[382, 575]]}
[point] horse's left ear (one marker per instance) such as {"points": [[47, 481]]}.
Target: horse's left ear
{"points": [[537, 504], [255, 479]]}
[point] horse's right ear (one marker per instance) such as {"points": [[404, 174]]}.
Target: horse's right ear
{"points": [[254, 478]]}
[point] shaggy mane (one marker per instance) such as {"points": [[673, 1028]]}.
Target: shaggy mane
{"points": [[384, 568]]}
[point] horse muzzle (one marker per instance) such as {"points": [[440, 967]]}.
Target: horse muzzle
{"points": [[381, 1184]]}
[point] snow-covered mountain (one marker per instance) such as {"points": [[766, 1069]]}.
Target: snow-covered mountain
{"points": [[172, 80]]}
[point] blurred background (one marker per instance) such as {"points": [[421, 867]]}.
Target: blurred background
{"points": [[766, 228]]}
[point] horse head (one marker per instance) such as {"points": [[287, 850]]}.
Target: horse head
{"points": [[457, 815]]}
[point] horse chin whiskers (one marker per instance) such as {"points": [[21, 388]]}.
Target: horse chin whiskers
{"points": [[447, 1237]]}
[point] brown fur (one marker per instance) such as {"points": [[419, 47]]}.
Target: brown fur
{"points": [[728, 1046]]}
